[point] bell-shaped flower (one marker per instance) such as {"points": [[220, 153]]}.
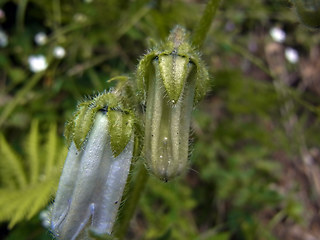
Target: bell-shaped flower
{"points": [[95, 171]]}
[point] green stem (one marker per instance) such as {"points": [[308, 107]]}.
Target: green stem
{"points": [[19, 96], [56, 13], [129, 23], [205, 22], [135, 190], [20, 14]]}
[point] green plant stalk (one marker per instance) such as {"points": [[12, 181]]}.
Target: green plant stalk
{"points": [[205, 22], [20, 14], [56, 6], [129, 23], [134, 193], [12, 105]]}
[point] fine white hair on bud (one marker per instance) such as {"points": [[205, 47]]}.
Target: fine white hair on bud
{"points": [[91, 185]]}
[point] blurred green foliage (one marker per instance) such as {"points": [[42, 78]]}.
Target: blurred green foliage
{"points": [[28, 181], [233, 189]]}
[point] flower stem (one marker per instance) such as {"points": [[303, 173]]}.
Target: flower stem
{"points": [[135, 190], [21, 14], [205, 22]]}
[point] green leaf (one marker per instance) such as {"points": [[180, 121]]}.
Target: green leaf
{"points": [[25, 199], [11, 165], [32, 151], [50, 149]]}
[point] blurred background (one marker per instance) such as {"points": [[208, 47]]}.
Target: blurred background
{"points": [[255, 157]]}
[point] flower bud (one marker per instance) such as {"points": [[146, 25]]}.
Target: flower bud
{"points": [[171, 78], [95, 172]]}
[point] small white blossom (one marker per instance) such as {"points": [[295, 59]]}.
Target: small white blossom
{"points": [[59, 52], [37, 63], [88, 1], [3, 39], [41, 38], [292, 55], [278, 34]]}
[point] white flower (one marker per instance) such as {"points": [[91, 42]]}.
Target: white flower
{"points": [[41, 38], [292, 55], [91, 185], [88, 1], [59, 52], [37, 63], [278, 34], [3, 39]]}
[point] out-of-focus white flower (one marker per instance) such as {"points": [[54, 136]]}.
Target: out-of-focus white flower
{"points": [[80, 18], [88, 1], [278, 34], [3, 39], [41, 38], [59, 52], [292, 55], [37, 63]]}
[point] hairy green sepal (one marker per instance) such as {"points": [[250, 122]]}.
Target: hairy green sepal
{"points": [[174, 55], [120, 129], [120, 121]]}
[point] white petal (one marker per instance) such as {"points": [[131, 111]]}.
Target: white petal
{"points": [[88, 177], [66, 186], [110, 194]]}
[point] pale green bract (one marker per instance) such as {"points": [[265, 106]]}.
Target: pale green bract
{"points": [[171, 78]]}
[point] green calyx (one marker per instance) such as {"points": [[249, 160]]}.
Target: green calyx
{"points": [[120, 129], [120, 121], [175, 58]]}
